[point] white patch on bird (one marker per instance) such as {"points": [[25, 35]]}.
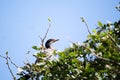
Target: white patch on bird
{"points": [[50, 55]]}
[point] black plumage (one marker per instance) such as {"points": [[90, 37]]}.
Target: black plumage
{"points": [[49, 42]]}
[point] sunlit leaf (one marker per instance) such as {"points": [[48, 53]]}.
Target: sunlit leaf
{"points": [[100, 24], [94, 31], [49, 19], [34, 47]]}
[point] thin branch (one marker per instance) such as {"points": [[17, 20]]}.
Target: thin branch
{"points": [[10, 68], [47, 32], [108, 60], [7, 58], [2, 57], [43, 39], [12, 62], [27, 56], [83, 20], [111, 38]]}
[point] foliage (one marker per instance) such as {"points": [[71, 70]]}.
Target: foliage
{"points": [[98, 58]]}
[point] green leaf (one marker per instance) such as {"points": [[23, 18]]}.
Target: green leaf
{"points": [[41, 55], [100, 24], [34, 47], [72, 54], [6, 52], [49, 19], [82, 19], [75, 60], [94, 31]]}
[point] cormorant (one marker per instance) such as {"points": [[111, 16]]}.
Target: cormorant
{"points": [[48, 50], [49, 42], [49, 54]]}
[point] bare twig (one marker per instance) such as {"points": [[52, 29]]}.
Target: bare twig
{"points": [[12, 62], [7, 58], [9, 67], [27, 57], [83, 20], [47, 32], [43, 39], [2, 57]]}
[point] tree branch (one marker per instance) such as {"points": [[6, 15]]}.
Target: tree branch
{"points": [[2, 57], [111, 38], [7, 58], [93, 52], [27, 57], [43, 39], [83, 20], [12, 62], [47, 32], [9, 67]]}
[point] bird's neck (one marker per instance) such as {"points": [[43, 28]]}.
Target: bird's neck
{"points": [[48, 45]]}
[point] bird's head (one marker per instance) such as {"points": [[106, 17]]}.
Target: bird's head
{"points": [[49, 42]]}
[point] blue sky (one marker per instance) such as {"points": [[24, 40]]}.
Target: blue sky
{"points": [[22, 21]]}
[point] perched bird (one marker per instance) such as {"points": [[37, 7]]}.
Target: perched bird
{"points": [[48, 50], [49, 42]]}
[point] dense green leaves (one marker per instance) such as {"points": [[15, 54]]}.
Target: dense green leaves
{"points": [[97, 58]]}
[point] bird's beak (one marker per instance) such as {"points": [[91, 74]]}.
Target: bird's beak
{"points": [[56, 40]]}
